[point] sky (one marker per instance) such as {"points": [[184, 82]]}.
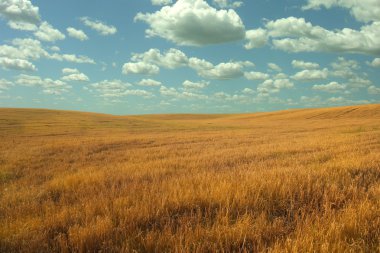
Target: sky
{"points": [[188, 56]]}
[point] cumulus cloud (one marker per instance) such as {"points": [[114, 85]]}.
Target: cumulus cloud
{"points": [[224, 71], [77, 34], [274, 67], [280, 76], [20, 11], [344, 68], [16, 64], [73, 75], [256, 38], [48, 85], [311, 75], [248, 91], [174, 93], [296, 35], [70, 71], [4, 85], [227, 4], [331, 87], [149, 82], [149, 61], [304, 65], [256, 75], [46, 32], [17, 25], [373, 90], [199, 64], [363, 10], [71, 58], [358, 82], [99, 26], [274, 86], [237, 98], [195, 85], [30, 49], [110, 88], [194, 23], [172, 58], [293, 34], [375, 63], [27, 49], [143, 68], [161, 2], [55, 48]]}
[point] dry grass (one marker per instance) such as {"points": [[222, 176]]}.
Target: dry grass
{"points": [[292, 181]]}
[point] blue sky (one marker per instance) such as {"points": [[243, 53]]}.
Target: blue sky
{"points": [[188, 56]]}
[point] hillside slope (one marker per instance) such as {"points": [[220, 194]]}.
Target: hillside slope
{"points": [[298, 180]]}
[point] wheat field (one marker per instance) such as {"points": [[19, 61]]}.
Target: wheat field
{"points": [[291, 181]]}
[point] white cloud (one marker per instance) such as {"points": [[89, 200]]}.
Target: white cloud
{"points": [[172, 58], [335, 100], [169, 91], [280, 76], [304, 65], [358, 82], [55, 48], [110, 88], [302, 36], [363, 10], [344, 68], [256, 75], [30, 49], [274, 67], [27, 49], [223, 96], [161, 2], [293, 34], [149, 82], [256, 38], [77, 34], [224, 71], [137, 92], [172, 92], [48, 85], [310, 100], [99, 26], [373, 90], [71, 58], [311, 74], [46, 32], [194, 23], [200, 64], [4, 84], [195, 85], [248, 91], [16, 64], [140, 68], [19, 11], [17, 25], [274, 86], [331, 87], [227, 4], [76, 77], [70, 71], [375, 63]]}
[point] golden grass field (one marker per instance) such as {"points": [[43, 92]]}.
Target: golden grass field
{"points": [[290, 181]]}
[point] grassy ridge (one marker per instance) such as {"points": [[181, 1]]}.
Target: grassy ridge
{"points": [[299, 180]]}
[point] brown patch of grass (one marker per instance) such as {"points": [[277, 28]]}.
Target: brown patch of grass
{"points": [[292, 181]]}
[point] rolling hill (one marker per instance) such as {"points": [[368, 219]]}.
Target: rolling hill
{"points": [[303, 180]]}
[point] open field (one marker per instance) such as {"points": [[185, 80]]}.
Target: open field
{"points": [[291, 181]]}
